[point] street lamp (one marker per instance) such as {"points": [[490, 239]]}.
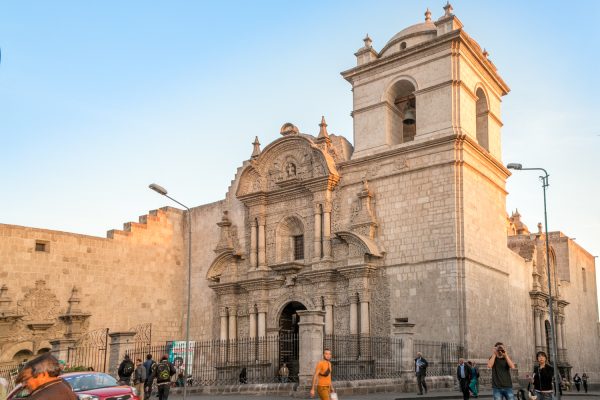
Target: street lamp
{"points": [[544, 178], [162, 191]]}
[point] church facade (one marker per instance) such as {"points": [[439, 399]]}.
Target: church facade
{"points": [[407, 223]]}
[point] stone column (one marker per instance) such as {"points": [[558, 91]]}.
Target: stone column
{"points": [[232, 334], [536, 327], [60, 348], [364, 318], [311, 344], [262, 331], [563, 336], [559, 332], [224, 329], [328, 316], [223, 336], [317, 241], [252, 323], [542, 329], [327, 231], [403, 351], [262, 244], [353, 314], [253, 247], [121, 343]]}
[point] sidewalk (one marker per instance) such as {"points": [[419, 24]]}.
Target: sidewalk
{"points": [[437, 395]]}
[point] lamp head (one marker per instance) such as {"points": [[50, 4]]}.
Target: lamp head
{"points": [[158, 189], [514, 166]]}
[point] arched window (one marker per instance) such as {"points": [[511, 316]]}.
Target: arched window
{"points": [[481, 119], [290, 240], [402, 115]]}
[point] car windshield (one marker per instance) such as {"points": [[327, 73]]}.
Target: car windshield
{"points": [[81, 382]]}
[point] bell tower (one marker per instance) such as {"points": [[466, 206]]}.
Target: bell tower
{"points": [[430, 80]]}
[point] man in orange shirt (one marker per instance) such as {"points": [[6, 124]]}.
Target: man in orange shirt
{"points": [[322, 377]]}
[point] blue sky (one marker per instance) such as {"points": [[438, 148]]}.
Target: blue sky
{"points": [[99, 99]]}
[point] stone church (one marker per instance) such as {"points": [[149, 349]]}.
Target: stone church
{"points": [[408, 222]]}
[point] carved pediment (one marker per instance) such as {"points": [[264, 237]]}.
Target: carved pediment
{"points": [[290, 161], [223, 267]]}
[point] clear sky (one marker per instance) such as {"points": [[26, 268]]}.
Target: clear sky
{"points": [[99, 99]]}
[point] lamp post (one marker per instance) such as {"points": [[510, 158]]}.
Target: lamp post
{"points": [[162, 191], [545, 184]]}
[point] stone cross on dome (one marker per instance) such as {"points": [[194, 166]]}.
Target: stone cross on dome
{"points": [[427, 15], [367, 41]]}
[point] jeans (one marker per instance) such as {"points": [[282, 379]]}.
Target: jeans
{"points": [[500, 393], [543, 395], [163, 391]]}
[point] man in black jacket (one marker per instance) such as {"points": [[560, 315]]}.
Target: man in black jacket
{"points": [[463, 374], [126, 370], [162, 372], [420, 371]]}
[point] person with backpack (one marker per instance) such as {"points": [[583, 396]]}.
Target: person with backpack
{"points": [[162, 372], [126, 370], [148, 365]]}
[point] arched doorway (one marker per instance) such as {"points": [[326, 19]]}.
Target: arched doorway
{"points": [[289, 350], [23, 356]]}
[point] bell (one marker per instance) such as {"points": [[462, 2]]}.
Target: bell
{"points": [[409, 116]]}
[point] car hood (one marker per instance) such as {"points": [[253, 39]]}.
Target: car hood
{"points": [[108, 391]]}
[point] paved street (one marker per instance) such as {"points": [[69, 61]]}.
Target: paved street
{"points": [[381, 396]]}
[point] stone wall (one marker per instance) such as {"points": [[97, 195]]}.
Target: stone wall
{"points": [[131, 277]]}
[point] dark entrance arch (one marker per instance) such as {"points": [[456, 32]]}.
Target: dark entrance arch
{"points": [[289, 351]]}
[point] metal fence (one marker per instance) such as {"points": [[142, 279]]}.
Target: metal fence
{"points": [[90, 351], [367, 357], [441, 356], [9, 373], [226, 362]]}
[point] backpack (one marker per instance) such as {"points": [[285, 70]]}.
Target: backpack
{"points": [[163, 372], [128, 368]]}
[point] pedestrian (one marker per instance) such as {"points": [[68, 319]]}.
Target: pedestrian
{"points": [[148, 364], [284, 373], [584, 379], [474, 384], [243, 378], [139, 377], [501, 364], [577, 381], [41, 377], [421, 371], [180, 370], [322, 377], [542, 377], [125, 371], [162, 372], [463, 374]]}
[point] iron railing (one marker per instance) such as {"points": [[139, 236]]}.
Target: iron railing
{"points": [[227, 362], [356, 357], [442, 357], [9, 373], [89, 352]]}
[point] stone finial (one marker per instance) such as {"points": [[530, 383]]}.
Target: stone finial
{"points": [[323, 129], [539, 228], [367, 41], [289, 129], [427, 15], [256, 149], [74, 301], [448, 9], [485, 53], [226, 234]]}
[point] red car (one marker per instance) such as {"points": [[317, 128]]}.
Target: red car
{"points": [[88, 386]]}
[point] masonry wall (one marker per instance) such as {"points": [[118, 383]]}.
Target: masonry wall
{"points": [[130, 278]]}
